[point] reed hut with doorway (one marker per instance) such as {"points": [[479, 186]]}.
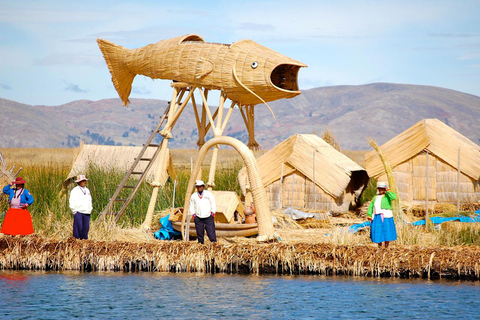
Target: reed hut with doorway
{"points": [[306, 173], [431, 162], [116, 158]]}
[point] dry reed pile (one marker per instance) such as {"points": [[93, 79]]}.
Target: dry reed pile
{"points": [[38, 253]]}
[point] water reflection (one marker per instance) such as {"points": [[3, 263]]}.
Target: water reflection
{"points": [[49, 295]]}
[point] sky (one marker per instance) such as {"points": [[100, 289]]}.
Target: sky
{"points": [[49, 54]]}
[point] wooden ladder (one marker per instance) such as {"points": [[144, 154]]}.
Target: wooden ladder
{"points": [[141, 174]]}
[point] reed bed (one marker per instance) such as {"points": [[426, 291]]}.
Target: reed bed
{"points": [[317, 247], [40, 253]]}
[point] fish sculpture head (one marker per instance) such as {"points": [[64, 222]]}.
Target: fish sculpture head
{"points": [[262, 74]]}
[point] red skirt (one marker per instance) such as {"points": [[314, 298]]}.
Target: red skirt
{"points": [[17, 221]]}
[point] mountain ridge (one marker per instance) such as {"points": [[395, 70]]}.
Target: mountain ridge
{"points": [[353, 113]]}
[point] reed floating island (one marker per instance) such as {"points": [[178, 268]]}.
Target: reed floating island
{"points": [[38, 253]]}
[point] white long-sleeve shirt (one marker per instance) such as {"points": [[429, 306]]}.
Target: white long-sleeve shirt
{"points": [[387, 213], [80, 200], [202, 205]]}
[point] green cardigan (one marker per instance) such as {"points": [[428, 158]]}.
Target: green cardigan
{"points": [[386, 202]]}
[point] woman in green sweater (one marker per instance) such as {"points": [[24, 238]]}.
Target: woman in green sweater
{"points": [[381, 216]]}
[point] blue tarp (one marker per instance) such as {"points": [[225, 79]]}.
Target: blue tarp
{"points": [[356, 227], [166, 232], [435, 220], [439, 220]]}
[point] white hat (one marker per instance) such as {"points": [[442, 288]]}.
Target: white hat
{"points": [[199, 183], [382, 184], [81, 177]]}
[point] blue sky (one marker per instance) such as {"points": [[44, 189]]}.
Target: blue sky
{"points": [[49, 54]]}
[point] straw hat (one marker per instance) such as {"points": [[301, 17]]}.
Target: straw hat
{"points": [[382, 184], [81, 177], [19, 180], [199, 183]]}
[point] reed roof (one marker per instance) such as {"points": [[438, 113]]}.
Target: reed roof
{"points": [[333, 169], [227, 202], [432, 135], [118, 158]]}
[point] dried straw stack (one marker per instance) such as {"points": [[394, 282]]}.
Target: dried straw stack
{"points": [[37, 253]]}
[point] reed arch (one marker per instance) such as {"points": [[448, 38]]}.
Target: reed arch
{"points": [[264, 217]]}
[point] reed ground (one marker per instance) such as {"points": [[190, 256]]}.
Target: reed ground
{"points": [[45, 170]]}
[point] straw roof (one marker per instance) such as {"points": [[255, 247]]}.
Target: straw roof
{"points": [[227, 202], [434, 136], [118, 158], [333, 169]]}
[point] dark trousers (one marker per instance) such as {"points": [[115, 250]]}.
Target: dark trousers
{"points": [[205, 223], [81, 225]]}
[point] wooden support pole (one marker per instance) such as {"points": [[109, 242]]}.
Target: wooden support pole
{"points": [[293, 189], [217, 132], [227, 117], [280, 204], [207, 109], [427, 216], [314, 185]]}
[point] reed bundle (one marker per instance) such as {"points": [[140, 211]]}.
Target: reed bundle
{"points": [[396, 205], [38, 253]]}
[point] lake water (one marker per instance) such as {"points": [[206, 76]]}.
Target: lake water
{"points": [[75, 295]]}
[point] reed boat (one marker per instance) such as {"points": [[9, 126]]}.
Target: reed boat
{"points": [[224, 230]]}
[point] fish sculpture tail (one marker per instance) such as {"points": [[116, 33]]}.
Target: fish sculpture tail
{"points": [[122, 77]]}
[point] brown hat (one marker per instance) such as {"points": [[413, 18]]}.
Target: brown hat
{"points": [[19, 180]]}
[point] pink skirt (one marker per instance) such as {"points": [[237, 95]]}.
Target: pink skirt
{"points": [[17, 222]]}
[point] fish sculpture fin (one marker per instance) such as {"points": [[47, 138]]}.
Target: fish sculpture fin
{"points": [[115, 57], [203, 68], [250, 91]]}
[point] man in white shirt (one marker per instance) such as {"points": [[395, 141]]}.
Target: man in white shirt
{"points": [[81, 205], [202, 207]]}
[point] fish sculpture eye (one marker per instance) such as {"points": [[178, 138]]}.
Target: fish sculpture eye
{"points": [[254, 64]]}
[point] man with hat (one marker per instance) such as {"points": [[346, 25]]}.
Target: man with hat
{"points": [[202, 207], [381, 216], [81, 205]]}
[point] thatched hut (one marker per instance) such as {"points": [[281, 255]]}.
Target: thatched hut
{"points": [[119, 158], [452, 160], [305, 172]]}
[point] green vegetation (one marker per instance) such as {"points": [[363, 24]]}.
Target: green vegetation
{"points": [[369, 192], [50, 210], [52, 217]]}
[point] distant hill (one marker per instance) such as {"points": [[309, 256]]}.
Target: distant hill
{"points": [[353, 113]]}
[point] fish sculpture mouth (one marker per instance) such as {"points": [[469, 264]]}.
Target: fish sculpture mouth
{"points": [[285, 77]]}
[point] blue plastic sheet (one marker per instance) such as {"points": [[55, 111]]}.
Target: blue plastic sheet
{"points": [[354, 228], [435, 220], [439, 220], [166, 232]]}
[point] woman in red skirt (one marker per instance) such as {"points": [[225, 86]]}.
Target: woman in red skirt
{"points": [[18, 220]]}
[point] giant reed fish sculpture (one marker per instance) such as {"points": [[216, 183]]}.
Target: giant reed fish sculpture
{"points": [[247, 72]]}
